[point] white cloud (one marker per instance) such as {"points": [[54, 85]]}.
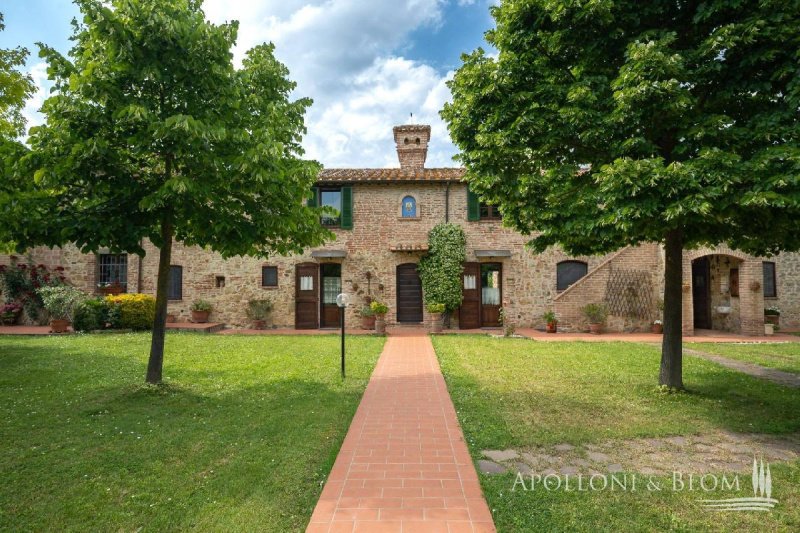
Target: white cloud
{"points": [[31, 111]]}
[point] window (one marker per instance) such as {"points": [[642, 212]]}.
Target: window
{"points": [[306, 283], [568, 272], [409, 207], [734, 282], [269, 276], [219, 282], [489, 212], [770, 287], [490, 284], [175, 289], [331, 198], [331, 282], [113, 270]]}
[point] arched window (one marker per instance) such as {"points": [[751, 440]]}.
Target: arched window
{"points": [[568, 272], [409, 207]]}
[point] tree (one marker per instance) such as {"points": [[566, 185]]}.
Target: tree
{"points": [[612, 123], [153, 134], [15, 89], [440, 269]]}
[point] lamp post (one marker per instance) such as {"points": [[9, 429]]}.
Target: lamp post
{"points": [[341, 301]]}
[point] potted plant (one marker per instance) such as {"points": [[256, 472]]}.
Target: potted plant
{"points": [[596, 314], [367, 318], [260, 312], [172, 318], [200, 311], [552, 321], [9, 313], [772, 315], [657, 326], [60, 303], [436, 311], [379, 309], [110, 289]]}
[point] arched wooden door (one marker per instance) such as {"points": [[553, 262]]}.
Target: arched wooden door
{"points": [[409, 293]]}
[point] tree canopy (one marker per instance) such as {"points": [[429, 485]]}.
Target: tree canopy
{"points": [[609, 123], [152, 133]]}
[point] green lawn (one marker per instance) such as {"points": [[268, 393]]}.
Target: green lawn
{"points": [[784, 356], [515, 393], [240, 437]]}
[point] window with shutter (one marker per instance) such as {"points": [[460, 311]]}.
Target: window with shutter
{"points": [[175, 288], [770, 285], [473, 206], [347, 208]]}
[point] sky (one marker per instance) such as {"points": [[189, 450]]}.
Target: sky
{"points": [[367, 64]]}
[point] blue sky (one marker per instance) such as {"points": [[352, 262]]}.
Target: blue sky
{"points": [[366, 64]]}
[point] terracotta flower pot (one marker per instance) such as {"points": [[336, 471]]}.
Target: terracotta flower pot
{"points": [[171, 319], [59, 326], [436, 322], [552, 327], [259, 324], [380, 325], [772, 319], [111, 290], [657, 328], [368, 322], [200, 317], [595, 329]]}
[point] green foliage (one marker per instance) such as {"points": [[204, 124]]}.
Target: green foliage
{"points": [[595, 313], [605, 124], [15, 89], [202, 306], [550, 317], [19, 283], [508, 325], [367, 311], [136, 311], [379, 308], [60, 302], [436, 308], [91, 315], [441, 268], [258, 309]]}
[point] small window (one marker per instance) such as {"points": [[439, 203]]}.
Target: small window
{"points": [[770, 287], [175, 289], [568, 272], [470, 282], [306, 283], [331, 198], [409, 207], [489, 212], [269, 276], [113, 270], [219, 282]]}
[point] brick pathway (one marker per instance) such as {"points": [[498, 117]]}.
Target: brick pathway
{"points": [[404, 465]]}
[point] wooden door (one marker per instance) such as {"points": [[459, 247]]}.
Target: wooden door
{"points": [[469, 314], [701, 294], [306, 295], [330, 285], [491, 294], [409, 293]]}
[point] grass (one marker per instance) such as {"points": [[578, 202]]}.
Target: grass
{"points": [[240, 437], [512, 393], [785, 356]]}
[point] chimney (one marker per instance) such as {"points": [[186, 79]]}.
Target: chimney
{"points": [[412, 145]]}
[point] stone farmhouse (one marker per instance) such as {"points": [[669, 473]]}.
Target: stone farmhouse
{"points": [[381, 233]]}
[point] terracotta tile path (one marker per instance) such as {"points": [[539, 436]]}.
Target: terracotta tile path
{"points": [[404, 465]]}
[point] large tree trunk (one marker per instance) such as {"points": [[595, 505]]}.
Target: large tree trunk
{"points": [[672, 346], [155, 364]]}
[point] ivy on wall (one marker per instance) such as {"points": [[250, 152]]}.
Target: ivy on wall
{"points": [[441, 268]]}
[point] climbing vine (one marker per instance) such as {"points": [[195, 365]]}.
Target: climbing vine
{"points": [[441, 268]]}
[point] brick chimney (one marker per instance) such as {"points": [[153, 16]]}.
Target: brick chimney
{"points": [[412, 145]]}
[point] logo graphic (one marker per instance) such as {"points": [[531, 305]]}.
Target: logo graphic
{"points": [[762, 494]]}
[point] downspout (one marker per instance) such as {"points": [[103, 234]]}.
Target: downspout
{"points": [[447, 203], [140, 275]]}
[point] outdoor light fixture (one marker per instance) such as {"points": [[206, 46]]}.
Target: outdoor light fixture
{"points": [[342, 300]]}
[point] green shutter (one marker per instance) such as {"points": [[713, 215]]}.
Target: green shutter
{"points": [[347, 208], [312, 202], [473, 206]]}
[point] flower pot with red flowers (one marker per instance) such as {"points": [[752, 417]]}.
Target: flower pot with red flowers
{"points": [[9, 313], [379, 309], [367, 318], [436, 311], [201, 309], [260, 313], [60, 303], [551, 322], [110, 289], [596, 315]]}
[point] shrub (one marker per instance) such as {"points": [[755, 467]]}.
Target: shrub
{"points": [[379, 308], [436, 308], [441, 268], [202, 306], [19, 282], [366, 311], [550, 317], [595, 313], [259, 309], [92, 315], [136, 311], [60, 302], [772, 311]]}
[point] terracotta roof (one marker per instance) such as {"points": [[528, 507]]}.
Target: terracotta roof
{"points": [[377, 175]]}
